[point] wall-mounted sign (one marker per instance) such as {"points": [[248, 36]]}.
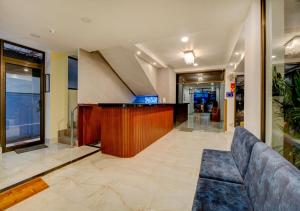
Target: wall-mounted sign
{"points": [[232, 86], [229, 94]]}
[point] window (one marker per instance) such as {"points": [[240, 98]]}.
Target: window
{"points": [[73, 73], [283, 78]]}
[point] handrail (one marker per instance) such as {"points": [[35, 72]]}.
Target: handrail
{"points": [[72, 126]]}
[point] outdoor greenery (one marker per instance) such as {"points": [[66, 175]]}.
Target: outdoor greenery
{"points": [[288, 91]]}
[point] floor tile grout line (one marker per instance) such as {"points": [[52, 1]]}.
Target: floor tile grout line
{"points": [[48, 171]]}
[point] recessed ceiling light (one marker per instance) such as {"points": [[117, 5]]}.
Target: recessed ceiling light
{"points": [[35, 35], [273, 57], [185, 39], [86, 20], [237, 53], [138, 53], [195, 64], [154, 63], [26, 70], [51, 31]]}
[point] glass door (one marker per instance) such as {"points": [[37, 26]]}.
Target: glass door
{"points": [[23, 105]]}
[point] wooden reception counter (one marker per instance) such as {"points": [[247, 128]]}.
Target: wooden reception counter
{"points": [[127, 129]]}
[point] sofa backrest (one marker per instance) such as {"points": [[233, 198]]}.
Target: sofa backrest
{"points": [[263, 165], [241, 148], [284, 191]]}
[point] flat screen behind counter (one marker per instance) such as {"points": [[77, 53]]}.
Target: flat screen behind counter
{"points": [[146, 99]]}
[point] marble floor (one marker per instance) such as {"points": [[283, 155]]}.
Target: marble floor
{"points": [[18, 167], [162, 177], [202, 122]]}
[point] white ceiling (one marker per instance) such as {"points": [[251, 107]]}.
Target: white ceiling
{"points": [[155, 25]]}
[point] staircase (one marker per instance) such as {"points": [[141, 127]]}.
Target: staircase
{"points": [[64, 136]]}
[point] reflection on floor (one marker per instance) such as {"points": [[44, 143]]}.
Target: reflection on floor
{"points": [[18, 167], [162, 177], [201, 121]]}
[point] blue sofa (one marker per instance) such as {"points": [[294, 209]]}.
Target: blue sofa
{"points": [[251, 176]]}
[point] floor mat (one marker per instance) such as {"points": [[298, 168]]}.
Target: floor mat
{"points": [[186, 129], [21, 192], [28, 149]]}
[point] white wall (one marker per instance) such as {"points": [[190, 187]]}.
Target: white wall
{"points": [[97, 83], [125, 63], [253, 70], [163, 81], [166, 85], [150, 70]]}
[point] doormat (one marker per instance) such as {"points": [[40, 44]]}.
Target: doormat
{"points": [[32, 148], [21, 192], [185, 129]]}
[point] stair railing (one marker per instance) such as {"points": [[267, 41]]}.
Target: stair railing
{"points": [[72, 125]]}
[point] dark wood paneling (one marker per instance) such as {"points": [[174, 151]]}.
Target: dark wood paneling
{"points": [[181, 113], [127, 131], [89, 120]]}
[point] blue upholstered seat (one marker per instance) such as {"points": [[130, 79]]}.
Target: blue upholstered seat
{"points": [[213, 195], [272, 182], [219, 165], [229, 166], [284, 191], [269, 182]]}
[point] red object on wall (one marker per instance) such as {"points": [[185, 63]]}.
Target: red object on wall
{"points": [[232, 86], [89, 124]]}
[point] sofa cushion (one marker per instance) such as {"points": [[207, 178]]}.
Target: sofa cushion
{"points": [[263, 164], [241, 148], [284, 190], [220, 196], [219, 165]]}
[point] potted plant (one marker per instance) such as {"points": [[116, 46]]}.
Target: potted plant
{"points": [[286, 93]]}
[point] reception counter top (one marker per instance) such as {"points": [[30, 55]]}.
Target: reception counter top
{"points": [[125, 105]]}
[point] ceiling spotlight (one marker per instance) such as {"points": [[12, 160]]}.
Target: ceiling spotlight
{"points": [[26, 70], [189, 57], [51, 31], [154, 63], [237, 53], [273, 57], [138, 53], [185, 39], [86, 20], [195, 64]]}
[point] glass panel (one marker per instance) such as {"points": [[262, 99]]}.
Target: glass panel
{"points": [[73, 73], [239, 100], [283, 78], [22, 104], [22, 53]]}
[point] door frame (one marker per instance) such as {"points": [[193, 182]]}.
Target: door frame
{"points": [[3, 61]]}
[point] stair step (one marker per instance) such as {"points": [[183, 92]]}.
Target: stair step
{"points": [[67, 132], [67, 140]]}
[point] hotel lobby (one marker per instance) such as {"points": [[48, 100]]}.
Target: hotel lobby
{"points": [[150, 105]]}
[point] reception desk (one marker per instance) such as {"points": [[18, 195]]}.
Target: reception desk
{"points": [[127, 129]]}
